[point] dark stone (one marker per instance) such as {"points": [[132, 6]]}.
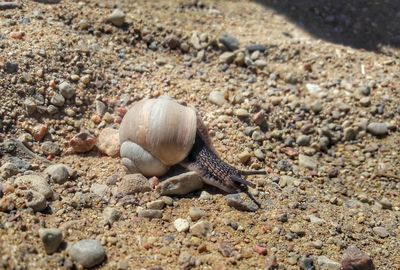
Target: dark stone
{"points": [[10, 67]]}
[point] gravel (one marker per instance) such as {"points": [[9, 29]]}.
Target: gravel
{"points": [[181, 184], [181, 225], [51, 239], [87, 253], [378, 129]]}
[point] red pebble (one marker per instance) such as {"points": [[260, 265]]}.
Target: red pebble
{"points": [[260, 250], [39, 132]]}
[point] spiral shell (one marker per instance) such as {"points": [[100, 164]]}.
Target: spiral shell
{"points": [[156, 134]]}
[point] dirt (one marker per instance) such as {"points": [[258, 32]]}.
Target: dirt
{"points": [[308, 93]]}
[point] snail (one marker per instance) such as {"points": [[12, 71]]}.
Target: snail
{"points": [[156, 134]]}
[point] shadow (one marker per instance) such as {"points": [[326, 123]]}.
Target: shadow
{"points": [[361, 24]]}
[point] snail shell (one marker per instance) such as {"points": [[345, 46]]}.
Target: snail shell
{"points": [[156, 134]]}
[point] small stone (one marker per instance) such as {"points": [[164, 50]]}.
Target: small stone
{"points": [[30, 106], [241, 113], [149, 213], [82, 142], [85, 79], [6, 205], [157, 205], [87, 253], [66, 90], [260, 250], [217, 98], [381, 232], [241, 202], [108, 142], [36, 201], [57, 100], [50, 148], [227, 57], [256, 47], [230, 42], [308, 162], [201, 229], [99, 189], [226, 249], [306, 263], [172, 41], [39, 132], [36, 183], [324, 263], [297, 229], [378, 129], [365, 90], [59, 173], [111, 215], [316, 220], [51, 239], [181, 225], [355, 259], [8, 5], [133, 183], [386, 203], [8, 169], [313, 88], [244, 156], [101, 108], [11, 67], [196, 213], [349, 134], [303, 140], [365, 101], [117, 17], [260, 63], [317, 244], [181, 184]]}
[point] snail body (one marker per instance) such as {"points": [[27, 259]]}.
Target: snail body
{"points": [[156, 134]]}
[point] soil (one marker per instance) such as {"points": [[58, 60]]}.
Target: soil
{"points": [[302, 110]]}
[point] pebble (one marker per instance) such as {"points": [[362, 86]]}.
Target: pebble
{"points": [[82, 142], [133, 183], [117, 17], [21, 164], [256, 47], [307, 162], [227, 57], [8, 5], [36, 201], [6, 205], [229, 41], [241, 113], [181, 184], [381, 231], [260, 250], [39, 132], [181, 225], [297, 229], [386, 203], [149, 213], [8, 169], [378, 129], [66, 90], [355, 259], [108, 142], [196, 213], [313, 88], [324, 263], [306, 263], [303, 140], [226, 249], [51, 239], [365, 101], [172, 41], [59, 173], [349, 134], [157, 204], [101, 108], [10, 67], [50, 148], [201, 229], [316, 220], [217, 98], [244, 156], [99, 189], [241, 202], [57, 100], [111, 215], [37, 183], [260, 63], [87, 253]]}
